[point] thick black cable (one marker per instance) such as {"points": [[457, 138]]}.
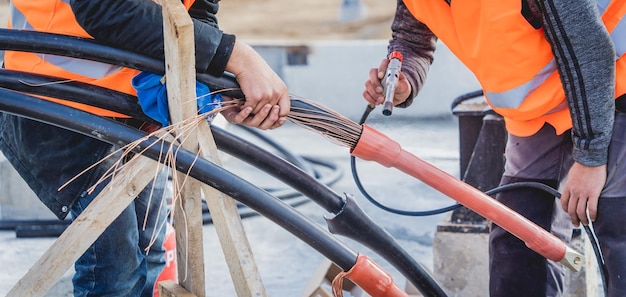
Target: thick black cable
{"points": [[215, 176], [89, 49], [399, 258], [378, 240], [113, 100], [74, 91], [274, 209]]}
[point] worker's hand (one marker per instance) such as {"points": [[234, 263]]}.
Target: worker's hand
{"points": [[267, 118], [267, 99], [582, 191], [373, 93]]}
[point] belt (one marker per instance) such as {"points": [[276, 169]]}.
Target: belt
{"points": [[620, 103]]}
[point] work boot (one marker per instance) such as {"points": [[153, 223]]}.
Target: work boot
{"points": [[610, 228], [514, 269]]}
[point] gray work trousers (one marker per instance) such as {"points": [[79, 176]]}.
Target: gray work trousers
{"points": [[546, 157]]}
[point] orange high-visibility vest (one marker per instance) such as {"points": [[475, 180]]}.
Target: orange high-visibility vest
{"points": [[56, 16], [513, 61]]}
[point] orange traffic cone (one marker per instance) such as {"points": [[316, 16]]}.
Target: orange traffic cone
{"points": [[170, 271]]}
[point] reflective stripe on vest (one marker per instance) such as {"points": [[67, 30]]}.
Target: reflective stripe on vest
{"points": [[512, 61], [90, 69], [56, 16]]}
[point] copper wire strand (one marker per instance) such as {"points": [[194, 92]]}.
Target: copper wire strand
{"points": [[337, 283], [319, 119], [322, 120], [179, 133]]}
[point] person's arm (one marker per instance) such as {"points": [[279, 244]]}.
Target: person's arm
{"points": [[417, 44], [138, 26], [585, 57]]}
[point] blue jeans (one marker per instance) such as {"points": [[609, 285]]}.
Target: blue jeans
{"points": [[117, 264], [124, 261]]}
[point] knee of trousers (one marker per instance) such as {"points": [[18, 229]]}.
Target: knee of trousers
{"points": [[516, 270]]}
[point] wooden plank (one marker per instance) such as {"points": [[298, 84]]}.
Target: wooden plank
{"points": [[169, 288], [88, 226], [229, 228], [180, 80], [180, 76]]}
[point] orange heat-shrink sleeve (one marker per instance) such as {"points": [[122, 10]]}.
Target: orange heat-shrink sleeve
{"points": [[370, 277], [375, 146]]}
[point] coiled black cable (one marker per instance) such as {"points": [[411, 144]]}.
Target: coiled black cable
{"points": [[215, 176], [383, 243], [116, 133]]}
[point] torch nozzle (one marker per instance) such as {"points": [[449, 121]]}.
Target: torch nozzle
{"points": [[391, 79]]}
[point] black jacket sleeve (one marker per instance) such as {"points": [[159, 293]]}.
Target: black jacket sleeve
{"points": [[137, 25]]}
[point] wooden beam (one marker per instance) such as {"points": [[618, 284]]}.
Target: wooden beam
{"points": [[180, 81], [227, 222], [88, 226], [169, 288], [180, 77]]}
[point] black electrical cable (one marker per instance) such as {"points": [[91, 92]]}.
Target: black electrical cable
{"points": [[87, 49], [90, 49], [113, 100], [274, 209], [215, 176], [458, 100], [414, 213], [74, 91], [593, 240], [377, 239]]}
